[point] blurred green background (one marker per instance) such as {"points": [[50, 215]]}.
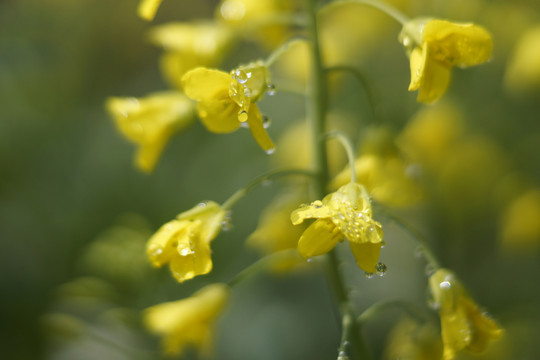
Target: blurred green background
{"points": [[68, 180]]}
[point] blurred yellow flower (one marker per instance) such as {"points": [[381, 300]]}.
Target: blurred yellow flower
{"points": [[275, 232], [520, 223], [226, 101], [188, 321], [463, 325], [184, 242], [523, 72], [189, 45], [385, 178], [150, 122], [412, 341], [345, 213], [435, 46], [147, 9]]}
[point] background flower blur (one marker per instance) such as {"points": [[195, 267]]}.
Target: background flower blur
{"points": [[75, 213]]}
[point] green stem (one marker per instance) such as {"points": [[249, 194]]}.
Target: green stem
{"points": [[362, 80], [375, 309], [239, 194], [316, 111], [263, 264], [347, 145], [379, 5]]}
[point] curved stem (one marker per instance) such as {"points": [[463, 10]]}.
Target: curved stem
{"points": [[347, 145], [426, 251], [263, 264], [239, 194], [282, 49], [362, 80], [375, 309], [380, 5]]}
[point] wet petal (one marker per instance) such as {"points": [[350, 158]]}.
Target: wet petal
{"points": [[436, 79], [257, 129], [220, 115], [161, 247], [366, 255], [316, 210], [418, 61], [193, 259], [485, 329], [319, 238]]}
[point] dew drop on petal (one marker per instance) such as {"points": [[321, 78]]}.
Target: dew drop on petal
{"points": [[317, 203], [381, 269], [242, 116], [270, 151], [430, 269], [271, 89], [244, 125]]}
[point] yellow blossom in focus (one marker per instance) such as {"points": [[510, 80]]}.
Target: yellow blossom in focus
{"points": [[523, 72], [189, 45], [275, 232], [188, 322], [147, 9], [521, 223], [435, 46], [463, 325], [150, 122], [184, 242], [226, 101], [345, 213]]}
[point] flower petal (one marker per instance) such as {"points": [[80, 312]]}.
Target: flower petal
{"points": [[147, 9], [258, 131], [436, 79], [193, 258], [418, 59], [161, 246], [366, 255], [316, 210], [206, 85], [319, 238]]}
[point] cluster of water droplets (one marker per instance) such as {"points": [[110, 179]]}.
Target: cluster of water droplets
{"points": [[357, 224], [226, 223], [380, 270]]}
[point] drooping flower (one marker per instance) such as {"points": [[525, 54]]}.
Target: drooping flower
{"points": [[150, 122], [188, 322], [345, 213], [463, 325], [190, 45], [226, 101], [184, 242], [147, 9], [435, 46]]}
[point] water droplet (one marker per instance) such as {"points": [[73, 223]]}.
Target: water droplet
{"points": [[309, 260], [242, 116], [202, 204], [155, 251], [241, 76], [226, 223], [266, 122], [185, 250], [342, 355], [247, 91], [383, 244], [419, 251], [445, 285], [430, 269], [317, 203], [271, 89], [381, 268], [244, 125], [368, 275], [270, 151], [346, 343]]}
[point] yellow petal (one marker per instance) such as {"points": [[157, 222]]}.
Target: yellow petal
{"points": [[220, 115], [161, 248], [436, 79], [457, 44], [147, 9], [211, 216], [206, 85], [193, 258], [485, 329], [417, 61], [316, 210], [258, 131], [319, 238], [366, 255]]}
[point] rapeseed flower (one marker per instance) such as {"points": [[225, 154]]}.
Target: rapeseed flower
{"points": [[463, 325], [150, 122], [188, 321], [345, 213], [435, 46], [184, 242], [523, 72], [147, 9], [226, 101], [190, 45]]}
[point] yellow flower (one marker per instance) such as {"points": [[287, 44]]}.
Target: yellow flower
{"points": [[345, 213], [226, 101], [523, 72], [412, 341], [184, 242], [188, 321], [275, 232], [189, 45], [147, 9], [435, 46], [463, 325], [150, 122], [520, 226]]}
